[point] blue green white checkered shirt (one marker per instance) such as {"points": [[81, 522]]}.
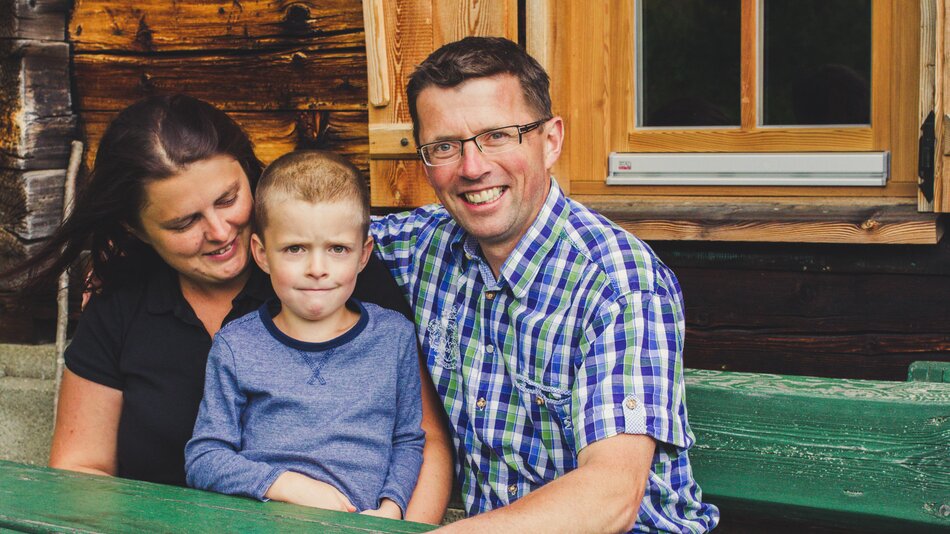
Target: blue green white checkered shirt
{"points": [[580, 338]]}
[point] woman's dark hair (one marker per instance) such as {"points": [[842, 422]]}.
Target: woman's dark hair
{"points": [[152, 139]]}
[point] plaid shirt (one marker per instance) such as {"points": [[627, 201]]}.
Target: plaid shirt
{"points": [[579, 339]]}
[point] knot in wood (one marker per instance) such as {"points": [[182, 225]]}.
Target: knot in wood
{"points": [[298, 58], [869, 225]]}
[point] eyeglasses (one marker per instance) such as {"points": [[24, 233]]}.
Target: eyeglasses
{"points": [[491, 142]]}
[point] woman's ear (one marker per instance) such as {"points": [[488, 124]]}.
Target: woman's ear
{"points": [[259, 253], [137, 233]]}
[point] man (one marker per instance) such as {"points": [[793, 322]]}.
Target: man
{"points": [[553, 337]]}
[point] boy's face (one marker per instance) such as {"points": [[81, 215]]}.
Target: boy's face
{"points": [[313, 253]]}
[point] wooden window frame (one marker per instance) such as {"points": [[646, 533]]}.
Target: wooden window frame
{"points": [[593, 88]]}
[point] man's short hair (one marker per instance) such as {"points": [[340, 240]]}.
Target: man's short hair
{"points": [[480, 57], [311, 176]]}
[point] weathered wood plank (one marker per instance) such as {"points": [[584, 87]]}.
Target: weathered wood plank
{"points": [[869, 357], [299, 78], [44, 499], [36, 121], [805, 304], [27, 320], [803, 257], [802, 222], [33, 19], [162, 26], [31, 202], [858, 453], [275, 133]]}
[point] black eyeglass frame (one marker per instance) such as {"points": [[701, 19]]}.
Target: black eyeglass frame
{"points": [[522, 129]]}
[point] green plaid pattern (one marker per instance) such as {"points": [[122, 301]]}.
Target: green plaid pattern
{"points": [[580, 338]]}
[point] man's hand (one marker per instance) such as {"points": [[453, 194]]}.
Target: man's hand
{"points": [[296, 488], [387, 508]]}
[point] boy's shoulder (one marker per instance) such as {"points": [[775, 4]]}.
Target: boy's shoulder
{"points": [[247, 324], [385, 317]]}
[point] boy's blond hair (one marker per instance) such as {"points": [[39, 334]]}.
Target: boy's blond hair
{"points": [[311, 176]]}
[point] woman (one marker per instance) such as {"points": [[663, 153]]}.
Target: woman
{"points": [[167, 217]]}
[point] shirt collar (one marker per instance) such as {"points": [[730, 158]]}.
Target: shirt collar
{"points": [[524, 262], [163, 292]]}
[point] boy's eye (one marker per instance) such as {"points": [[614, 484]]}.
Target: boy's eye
{"points": [[338, 249], [294, 249]]}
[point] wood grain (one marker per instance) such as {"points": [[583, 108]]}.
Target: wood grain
{"points": [[31, 202], [33, 19], [301, 78], [928, 43], [859, 453], [804, 222], [252, 25], [40, 498], [36, 121]]}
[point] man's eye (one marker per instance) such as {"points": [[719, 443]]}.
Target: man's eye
{"points": [[442, 148], [498, 135]]}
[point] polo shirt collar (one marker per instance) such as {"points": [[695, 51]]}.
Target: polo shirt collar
{"points": [[524, 262], [163, 292]]}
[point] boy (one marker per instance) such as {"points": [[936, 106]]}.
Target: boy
{"points": [[315, 398]]}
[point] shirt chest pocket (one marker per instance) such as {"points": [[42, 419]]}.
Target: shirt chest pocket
{"points": [[545, 384]]}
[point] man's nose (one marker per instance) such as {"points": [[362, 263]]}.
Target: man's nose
{"points": [[474, 163]]}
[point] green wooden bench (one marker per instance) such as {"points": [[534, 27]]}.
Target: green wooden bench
{"points": [[867, 455], [40, 499]]}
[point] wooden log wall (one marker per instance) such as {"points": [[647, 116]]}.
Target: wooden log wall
{"points": [[294, 75], [36, 126]]}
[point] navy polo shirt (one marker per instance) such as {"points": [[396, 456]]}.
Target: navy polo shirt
{"points": [[145, 340]]}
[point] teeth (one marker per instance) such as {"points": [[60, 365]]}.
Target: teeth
{"points": [[221, 250], [486, 195]]}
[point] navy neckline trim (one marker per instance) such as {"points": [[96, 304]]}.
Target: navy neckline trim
{"points": [[269, 309]]}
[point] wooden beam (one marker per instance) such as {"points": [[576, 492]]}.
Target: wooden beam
{"points": [[867, 455], [100, 26], [33, 19], [31, 202], [685, 219], [36, 121]]}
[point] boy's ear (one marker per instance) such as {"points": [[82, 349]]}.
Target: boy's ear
{"points": [[367, 250], [257, 250]]}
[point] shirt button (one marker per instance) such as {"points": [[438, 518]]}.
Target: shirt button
{"points": [[539, 400], [631, 403], [567, 422], [512, 489], [481, 403], [490, 349], [490, 295]]}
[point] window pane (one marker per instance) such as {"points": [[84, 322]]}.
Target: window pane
{"points": [[817, 62], [690, 61]]}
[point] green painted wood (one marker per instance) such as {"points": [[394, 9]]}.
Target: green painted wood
{"points": [[40, 499], [929, 372], [854, 453]]}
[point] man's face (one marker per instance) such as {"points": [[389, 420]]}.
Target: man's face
{"points": [[494, 197]]}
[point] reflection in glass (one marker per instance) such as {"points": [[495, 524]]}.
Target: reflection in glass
{"points": [[816, 62], [689, 62]]}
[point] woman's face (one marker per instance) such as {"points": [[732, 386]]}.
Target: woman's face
{"points": [[199, 221]]}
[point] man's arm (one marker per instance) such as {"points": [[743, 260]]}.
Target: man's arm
{"points": [[601, 495]]}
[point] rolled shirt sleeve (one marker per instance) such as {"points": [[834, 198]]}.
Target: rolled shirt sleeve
{"points": [[631, 379]]}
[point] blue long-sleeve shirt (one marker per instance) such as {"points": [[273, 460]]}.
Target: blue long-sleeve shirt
{"points": [[346, 411]]}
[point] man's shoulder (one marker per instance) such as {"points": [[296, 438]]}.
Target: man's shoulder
{"points": [[627, 261], [430, 215]]}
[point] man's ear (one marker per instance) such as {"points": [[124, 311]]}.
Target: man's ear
{"points": [[553, 140], [258, 251], [367, 250]]}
